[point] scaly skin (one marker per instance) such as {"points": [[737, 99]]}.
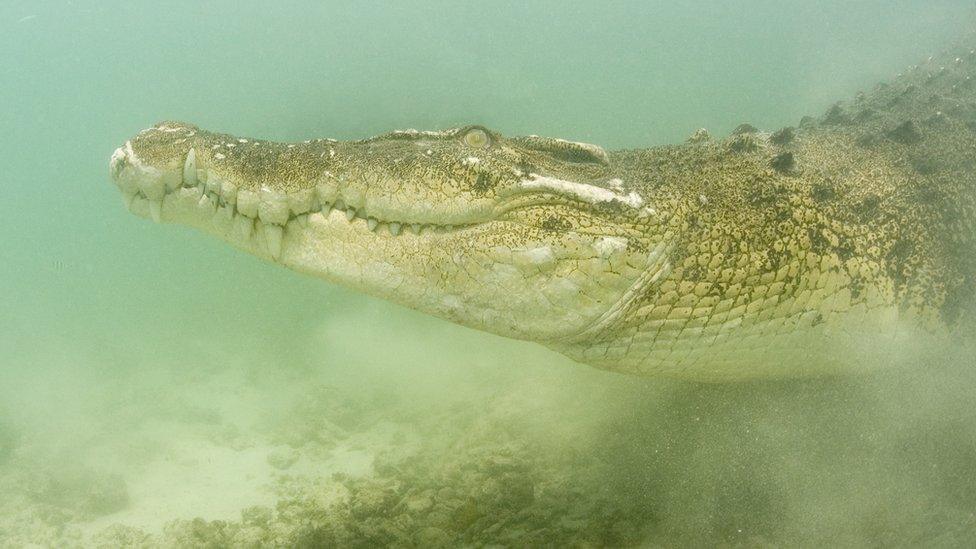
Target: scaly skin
{"points": [[837, 246]]}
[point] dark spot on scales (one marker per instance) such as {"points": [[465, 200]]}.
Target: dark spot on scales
{"points": [[556, 224], [482, 184], [525, 166], [868, 208], [818, 242], [844, 253], [896, 257]]}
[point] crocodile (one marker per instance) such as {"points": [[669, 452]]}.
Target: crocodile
{"points": [[840, 245]]}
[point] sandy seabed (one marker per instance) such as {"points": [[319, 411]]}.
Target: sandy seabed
{"points": [[539, 455]]}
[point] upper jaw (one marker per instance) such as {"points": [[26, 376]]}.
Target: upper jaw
{"points": [[234, 177], [264, 213]]}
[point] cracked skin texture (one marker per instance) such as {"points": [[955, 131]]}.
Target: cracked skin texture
{"points": [[844, 244]]}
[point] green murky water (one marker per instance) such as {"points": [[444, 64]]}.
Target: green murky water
{"points": [[160, 389]]}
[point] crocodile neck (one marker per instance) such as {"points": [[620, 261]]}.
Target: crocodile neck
{"points": [[867, 214]]}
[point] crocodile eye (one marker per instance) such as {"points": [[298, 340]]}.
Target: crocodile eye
{"points": [[477, 139]]}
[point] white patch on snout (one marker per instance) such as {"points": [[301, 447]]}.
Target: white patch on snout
{"points": [[582, 191], [136, 168], [137, 163], [117, 158]]}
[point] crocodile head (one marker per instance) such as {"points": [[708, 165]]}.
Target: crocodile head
{"points": [[526, 237]]}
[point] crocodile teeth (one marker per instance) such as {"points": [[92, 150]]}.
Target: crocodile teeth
{"points": [[127, 199], [303, 201], [372, 223], [244, 225], [207, 203], [228, 191], [302, 220], [225, 214], [190, 169], [156, 210], [273, 234], [415, 228], [273, 207], [350, 213], [153, 188], [247, 203], [172, 181], [212, 186], [394, 229]]}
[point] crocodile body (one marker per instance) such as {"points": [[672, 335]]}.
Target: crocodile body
{"points": [[843, 244]]}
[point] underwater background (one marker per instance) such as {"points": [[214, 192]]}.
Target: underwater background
{"points": [[158, 388]]}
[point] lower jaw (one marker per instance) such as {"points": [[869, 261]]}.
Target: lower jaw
{"points": [[186, 207], [329, 246], [326, 245], [189, 206]]}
